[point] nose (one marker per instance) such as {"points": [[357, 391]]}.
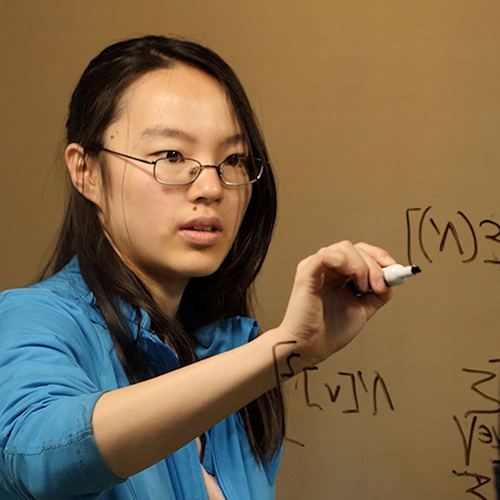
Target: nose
{"points": [[207, 187]]}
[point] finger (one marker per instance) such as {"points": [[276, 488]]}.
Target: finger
{"points": [[379, 255], [376, 258], [335, 265], [373, 301], [375, 276], [350, 264]]}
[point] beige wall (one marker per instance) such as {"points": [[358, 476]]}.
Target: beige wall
{"points": [[370, 109]]}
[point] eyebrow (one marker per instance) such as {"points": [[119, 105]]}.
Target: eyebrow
{"points": [[181, 134], [169, 132]]}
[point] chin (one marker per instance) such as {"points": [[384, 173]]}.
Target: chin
{"points": [[200, 267], [202, 273], [194, 266]]}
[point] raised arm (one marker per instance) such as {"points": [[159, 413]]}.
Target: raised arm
{"points": [[139, 425]]}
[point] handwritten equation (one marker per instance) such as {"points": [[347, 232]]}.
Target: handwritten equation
{"points": [[347, 392], [429, 236], [476, 431]]}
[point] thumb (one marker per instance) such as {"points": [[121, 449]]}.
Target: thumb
{"points": [[372, 302]]}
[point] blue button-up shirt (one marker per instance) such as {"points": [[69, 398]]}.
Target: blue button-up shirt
{"points": [[56, 360]]}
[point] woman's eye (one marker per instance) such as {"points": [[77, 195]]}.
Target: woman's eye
{"points": [[234, 160], [172, 156]]}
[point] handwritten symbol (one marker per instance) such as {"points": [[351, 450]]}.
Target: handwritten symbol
{"points": [[481, 481], [473, 431], [460, 231]]}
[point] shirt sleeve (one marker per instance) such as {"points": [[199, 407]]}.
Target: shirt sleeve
{"points": [[49, 372]]}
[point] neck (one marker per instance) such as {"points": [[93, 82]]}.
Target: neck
{"points": [[166, 296]]}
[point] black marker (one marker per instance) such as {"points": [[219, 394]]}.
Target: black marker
{"points": [[398, 274], [393, 275]]}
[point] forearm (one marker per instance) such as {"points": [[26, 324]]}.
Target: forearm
{"points": [[139, 425]]}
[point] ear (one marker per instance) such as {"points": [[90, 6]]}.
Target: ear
{"points": [[84, 172]]}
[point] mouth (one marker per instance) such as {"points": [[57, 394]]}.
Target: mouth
{"points": [[205, 224], [208, 229], [202, 231]]}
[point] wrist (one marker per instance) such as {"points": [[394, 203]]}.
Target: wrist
{"points": [[287, 353]]}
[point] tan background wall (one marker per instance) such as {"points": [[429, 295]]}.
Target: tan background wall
{"points": [[374, 111]]}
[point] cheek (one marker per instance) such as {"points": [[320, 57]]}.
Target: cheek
{"points": [[239, 206], [246, 200], [150, 213], [138, 212]]}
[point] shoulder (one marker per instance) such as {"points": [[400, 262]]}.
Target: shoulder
{"points": [[65, 290], [61, 305]]}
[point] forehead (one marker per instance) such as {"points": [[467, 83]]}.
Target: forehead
{"points": [[179, 98]]}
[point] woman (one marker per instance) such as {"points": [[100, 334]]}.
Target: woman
{"points": [[134, 359]]}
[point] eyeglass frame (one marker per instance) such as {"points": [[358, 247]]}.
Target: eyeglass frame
{"points": [[201, 167]]}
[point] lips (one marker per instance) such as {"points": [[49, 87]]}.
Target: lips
{"points": [[203, 231], [203, 224]]}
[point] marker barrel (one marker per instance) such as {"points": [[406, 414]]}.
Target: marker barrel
{"points": [[398, 274]]}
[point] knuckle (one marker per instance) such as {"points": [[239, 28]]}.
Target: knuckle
{"points": [[362, 245], [304, 263], [323, 251], [346, 244]]}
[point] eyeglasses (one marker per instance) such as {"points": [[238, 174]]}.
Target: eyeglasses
{"points": [[175, 170]]}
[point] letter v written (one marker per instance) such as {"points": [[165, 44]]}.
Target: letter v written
{"points": [[467, 441]]}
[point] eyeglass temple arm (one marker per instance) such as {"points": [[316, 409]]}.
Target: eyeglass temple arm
{"points": [[127, 156]]}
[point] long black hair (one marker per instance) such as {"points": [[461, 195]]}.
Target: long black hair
{"points": [[225, 293]]}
